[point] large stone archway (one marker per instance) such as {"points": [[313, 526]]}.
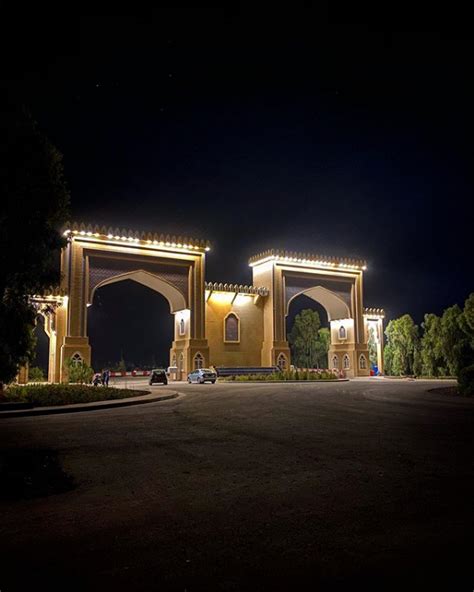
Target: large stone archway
{"points": [[174, 267], [335, 283]]}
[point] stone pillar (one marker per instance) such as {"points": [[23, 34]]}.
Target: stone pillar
{"points": [[74, 336], [22, 377]]}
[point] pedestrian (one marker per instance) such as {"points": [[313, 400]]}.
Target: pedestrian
{"points": [[106, 377], [97, 379]]}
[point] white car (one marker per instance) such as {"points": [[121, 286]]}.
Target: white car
{"points": [[201, 376]]}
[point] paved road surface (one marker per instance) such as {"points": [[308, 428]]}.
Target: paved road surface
{"points": [[250, 487]]}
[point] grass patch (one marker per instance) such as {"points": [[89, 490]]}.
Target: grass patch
{"points": [[43, 395]]}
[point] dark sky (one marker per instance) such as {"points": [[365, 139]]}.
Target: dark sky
{"points": [[305, 130]]}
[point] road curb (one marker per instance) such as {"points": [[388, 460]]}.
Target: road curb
{"points": [[94, 406], [320, 381]]}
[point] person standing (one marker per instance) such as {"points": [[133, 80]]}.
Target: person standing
{"points": [[106, 377]]}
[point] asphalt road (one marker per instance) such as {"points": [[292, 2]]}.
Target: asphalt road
{"points": [[250, 487]]}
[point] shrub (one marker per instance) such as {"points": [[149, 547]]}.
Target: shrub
{"points": [[41, 395], [35, 374], [79, 372], [466, 381]]}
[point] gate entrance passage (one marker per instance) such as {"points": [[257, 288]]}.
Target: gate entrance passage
{"points": [[335, 283]]}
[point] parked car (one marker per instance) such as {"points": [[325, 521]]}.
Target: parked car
{"points": [[201, 376], [158, 376]]}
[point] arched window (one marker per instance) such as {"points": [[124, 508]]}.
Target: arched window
{"points": [[173, 360], [342, 332], [77, 359], [362, 362], [198, 361], [282, 362], [232, 328], [346, 362], [182, 327], [335, 362]]}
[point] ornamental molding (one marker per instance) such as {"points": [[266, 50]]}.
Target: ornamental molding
{"points": [[81, 229], [283, 256], [236, 289], [374, 312], [51, 294]]}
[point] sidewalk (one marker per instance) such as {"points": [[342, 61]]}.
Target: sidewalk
{"points": [[95, 405]]}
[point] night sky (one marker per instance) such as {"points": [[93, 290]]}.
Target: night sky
{"points": [[305, 131]]}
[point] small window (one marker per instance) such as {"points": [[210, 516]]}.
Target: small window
{"points": [[342, 332], [77, 359], [347, 362], [232, 328], [198, 361], [282, 362], [362, 362], [182, 327], [335, 362]]}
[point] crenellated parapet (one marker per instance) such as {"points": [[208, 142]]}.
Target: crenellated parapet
{"points": [[53, 294], [374, 313], [143, 238], [236, 289], [309, 259]]}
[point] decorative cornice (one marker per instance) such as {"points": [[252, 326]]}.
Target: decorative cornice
{"points": [[51, 292], [81, 229], [53, 295], [236, 289], [374, 312], [312, 260]]}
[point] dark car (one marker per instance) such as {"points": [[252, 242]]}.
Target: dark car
{"points": [[158, 376]]}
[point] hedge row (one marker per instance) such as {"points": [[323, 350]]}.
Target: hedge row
{"points": [[42, 395], [286, 375]]}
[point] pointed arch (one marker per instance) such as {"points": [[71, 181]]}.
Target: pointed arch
{"points": [[175, 298], [77, 359], [332, 303], [231, 328], [282, 361], [198, 361]]}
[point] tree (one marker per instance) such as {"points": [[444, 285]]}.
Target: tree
{"points": [[121, 366], [417, 359], [372, 346], [35, 204], [455, 344], [304, 338], [388, 359], [322, 347], [433, 362], [467, 320], [402, 337]]}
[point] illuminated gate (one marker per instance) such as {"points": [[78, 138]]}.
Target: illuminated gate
{"points": [[214, 323], [335, 283], [174, 267]]}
